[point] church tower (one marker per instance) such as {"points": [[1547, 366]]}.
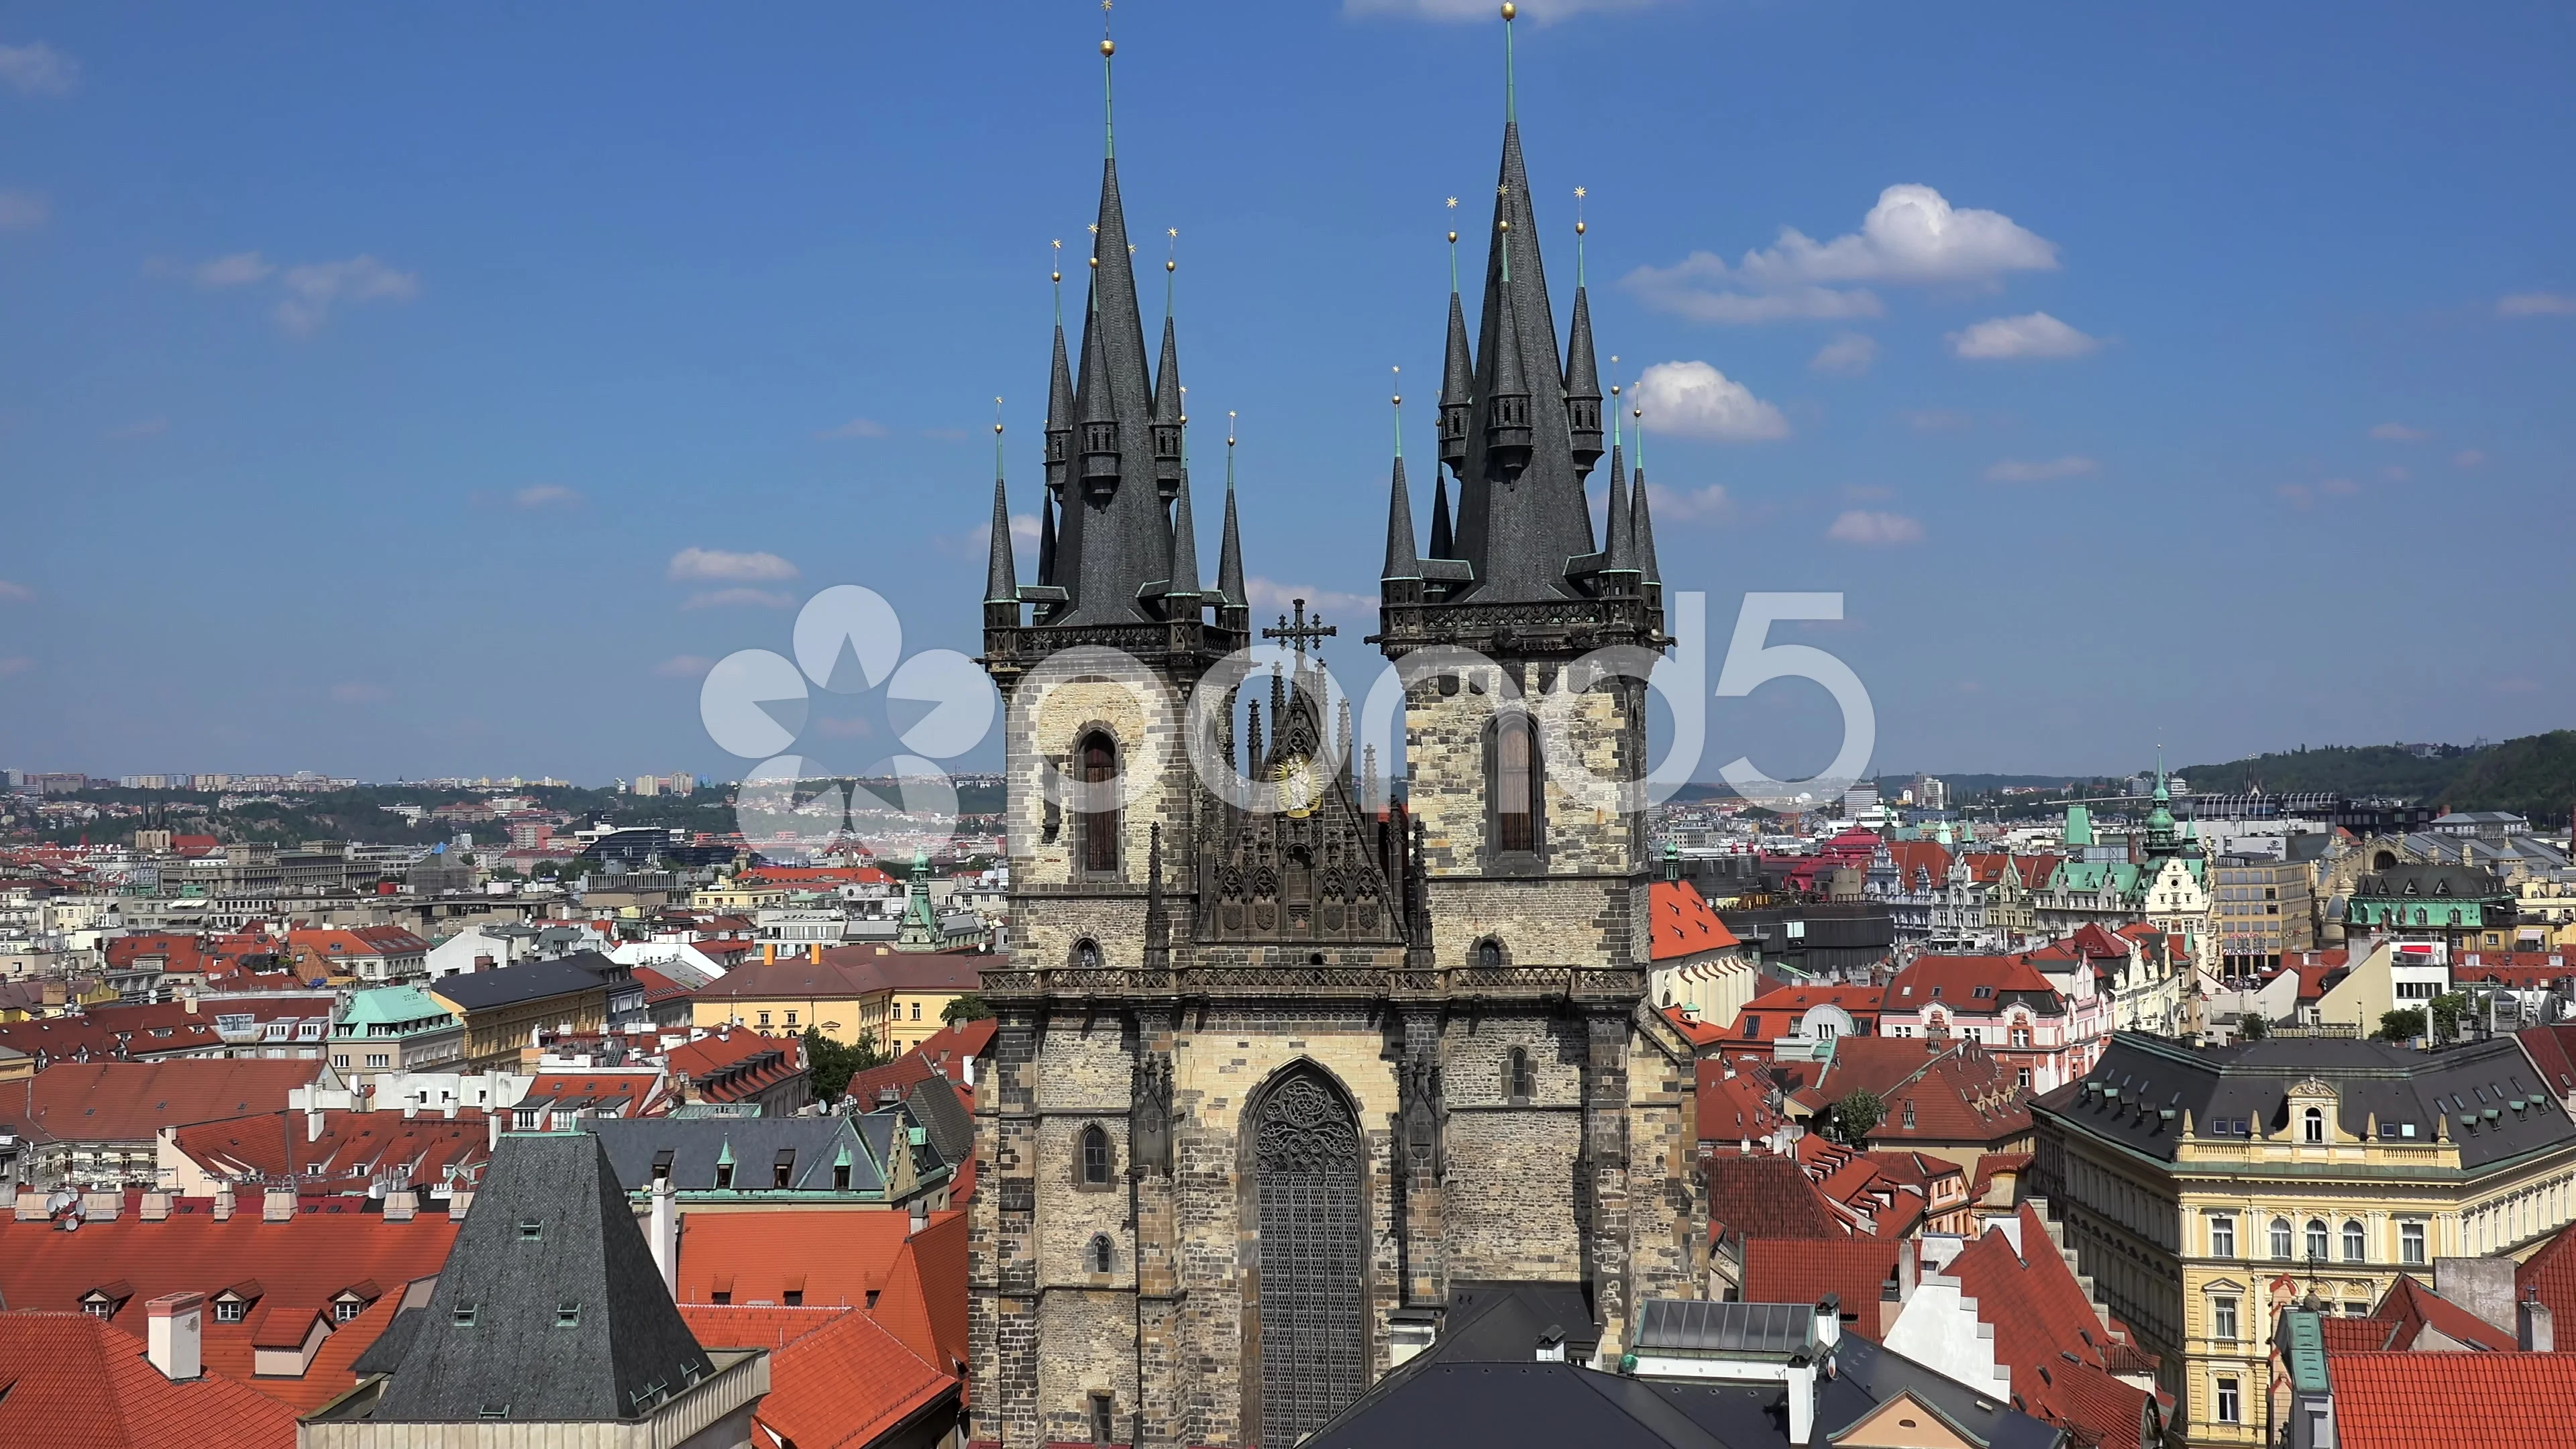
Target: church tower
{"points": [[1276, 1063]]}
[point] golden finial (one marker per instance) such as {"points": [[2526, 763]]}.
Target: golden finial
{"points": [[1229, 428], [1510, 10], [1093, 228], [1399, 382], [997, 417], [1107, 46], [1578, 210]]}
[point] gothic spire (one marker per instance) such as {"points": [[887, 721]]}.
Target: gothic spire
{"points": [[1001, 570], [1183, 590], [1620, 568], [1458, 376], [1401, 560], [1441, 544], [1583, 385], [1643, 551], [1229, 558], [1521, 511], [1167, 393]]}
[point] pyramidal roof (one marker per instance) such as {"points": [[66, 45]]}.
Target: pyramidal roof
{"points": [[549, 1307]]}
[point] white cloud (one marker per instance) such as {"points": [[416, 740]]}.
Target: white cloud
{"points": [[23, 211], [2033, 334], [1935, 420], [2468, 458], [360, 694], [697, 565], [1695, 400], [738, 598], [1541, 12], [2302, 495], [1850, 353], [2016, 470], [1912, 236], [238, 270], [2398, 433], [15, 593], [1863, 526], [545, 495], [1268, 597], [313, 288], [38, 70], [855, 428], [1711, 504], [684, 666], [2536, 304]]}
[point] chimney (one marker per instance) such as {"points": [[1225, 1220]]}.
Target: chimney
{"points": [[312, 1124], [459, 1200], [2483, 1286], [666, 1236], [400, 1204], [448, 1112], [492, 1126], [156, 1205], [967, 1066], [277, 1205], [175, 1334], [1802, 1401], [223, 1202], [411, 1110], [31, 1205], [2531, 1330], [920, 1217]]}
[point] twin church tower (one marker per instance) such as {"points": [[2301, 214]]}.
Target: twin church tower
{"points": [[1271, 1084]]}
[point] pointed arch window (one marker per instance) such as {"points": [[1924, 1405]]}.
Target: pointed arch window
{"points": [[1099, 835], [1103, 1254], [1095, 1157], [1513, 783], [1519, 1081], [1086, 954]]}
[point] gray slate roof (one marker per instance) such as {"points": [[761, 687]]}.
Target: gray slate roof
{"points": [[2250, 1081], [696, 1143], [950, 1126], [528, 981], [1691, 1325], [495, 1336]]}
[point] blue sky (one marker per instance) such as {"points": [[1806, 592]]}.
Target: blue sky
{"points": [[367, 374]]}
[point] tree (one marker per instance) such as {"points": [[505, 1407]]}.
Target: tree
{"points": [[2253, 1026], [968, 1006], [1851, 1120], [830, 1064], [2401, 1026]]}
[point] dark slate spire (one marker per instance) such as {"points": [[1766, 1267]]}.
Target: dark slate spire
{"points": [[1183, 590], [1458, 376], [1046, 538], [1521, 512], [1644, 526], [1441, 546], [1619, 570], [1115, 537], [1001, 570], [1167, 414], [1401, 561], [549, 1307], [1583, 387], [1229, 556]]}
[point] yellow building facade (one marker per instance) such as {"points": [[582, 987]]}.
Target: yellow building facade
{"points": [[2205, 1189]]}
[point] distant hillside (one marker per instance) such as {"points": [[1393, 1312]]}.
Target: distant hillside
{"points": [[2534, 775]]}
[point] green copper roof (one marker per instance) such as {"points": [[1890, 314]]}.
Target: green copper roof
{"points": [[2303, 1345], [389, 1006], [2079, 825]]}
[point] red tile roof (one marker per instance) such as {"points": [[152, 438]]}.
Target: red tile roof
{"points": [[2413, 1308], [2550, 1276], [2048, 1334], [850, 971], [1954, 982], [297, 1267], [1683, 923], [835, 1258], [1959, 1093], [69, 1379], [2407, 1400], [924, 1303], [1775, 1014], [732, 1066], [836, 1376], [1763, 1195], [352, 1149], [131, 1101], [1778, 1270], [1917, 860]]}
